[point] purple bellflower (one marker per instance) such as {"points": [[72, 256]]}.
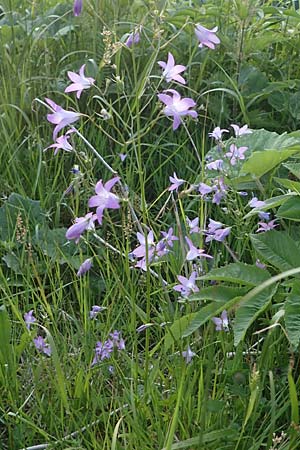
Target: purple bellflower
{"points": [[95, 311], [141, 252], [175, 182], [77, 8], [133, 38], [204, 189], [217, 133], [195, 252], [85, 267], [171, 71], [60, 117], [240, 131], [177, 107], [222, 323], [163, 246], [188, 355], [193, 225], [215, 165], [260, 265], [255, 203], [41, 345], [80, 82], [29, 319], [62, 142], [104, 198], [266, 226], [236, 154], [187, 285], [80, 226], [105, 349], [216, 232], [207, 37]]}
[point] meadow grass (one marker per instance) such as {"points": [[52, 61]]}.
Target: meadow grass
{"points": [[148, 396]]}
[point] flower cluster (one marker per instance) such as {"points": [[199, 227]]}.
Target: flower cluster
{"points": [[149, 251], [104, 349], [39, 342]]}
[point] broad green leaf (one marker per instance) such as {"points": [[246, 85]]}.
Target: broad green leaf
{"points": [[238, 273], [22, 214], [270, 203], [278, 248], [292, 314], [290, 209], [175, 332], [288, 184], [261, 162], [294, 168], [249, 310], [217, 293]]}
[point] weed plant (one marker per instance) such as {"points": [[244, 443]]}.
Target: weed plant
{"points": [[149, 273]]}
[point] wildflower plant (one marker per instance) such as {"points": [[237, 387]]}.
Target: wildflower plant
{"points": [[161, 211]]}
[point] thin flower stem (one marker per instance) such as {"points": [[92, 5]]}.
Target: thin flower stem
{"points": [[193, 143]]}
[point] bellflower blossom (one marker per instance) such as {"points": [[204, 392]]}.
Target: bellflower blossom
{"points": [[80, 82], [60, 117], [222, 323], [235, 154], [187, 285], [177, 107], [80, 226], [104, 198], [85, 267], [172, 71], [255, 203], [195, 252], [215, 165], [207, 37], [240, 131], [161, 248], [217, 133], [77, 8], [175, 182], [266, 226], [41, 345], [62, 142], [216, 232], [193, 225], [133, 38], [29, 319], [95, 311], [188, 355], [204, 189], [105, 349]]}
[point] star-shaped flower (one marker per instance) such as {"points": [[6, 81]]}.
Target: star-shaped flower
{"points": [[207, 37], [80, 82], [172, 71], [104, 198], [177, 107]]}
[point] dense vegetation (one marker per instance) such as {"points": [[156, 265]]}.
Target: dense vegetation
{"points": [[149, 238]]}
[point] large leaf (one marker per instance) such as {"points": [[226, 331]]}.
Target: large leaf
{"points": [[218, 293], [278, 248], [290, 209], [294, 168], [249, 310], [261, 162], [288, 184], [22, 214], [292, 314], [177, 329], [266, 150], [238, 273]]}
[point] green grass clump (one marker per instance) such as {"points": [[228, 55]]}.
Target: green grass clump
{"points": [[239, 391]]}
